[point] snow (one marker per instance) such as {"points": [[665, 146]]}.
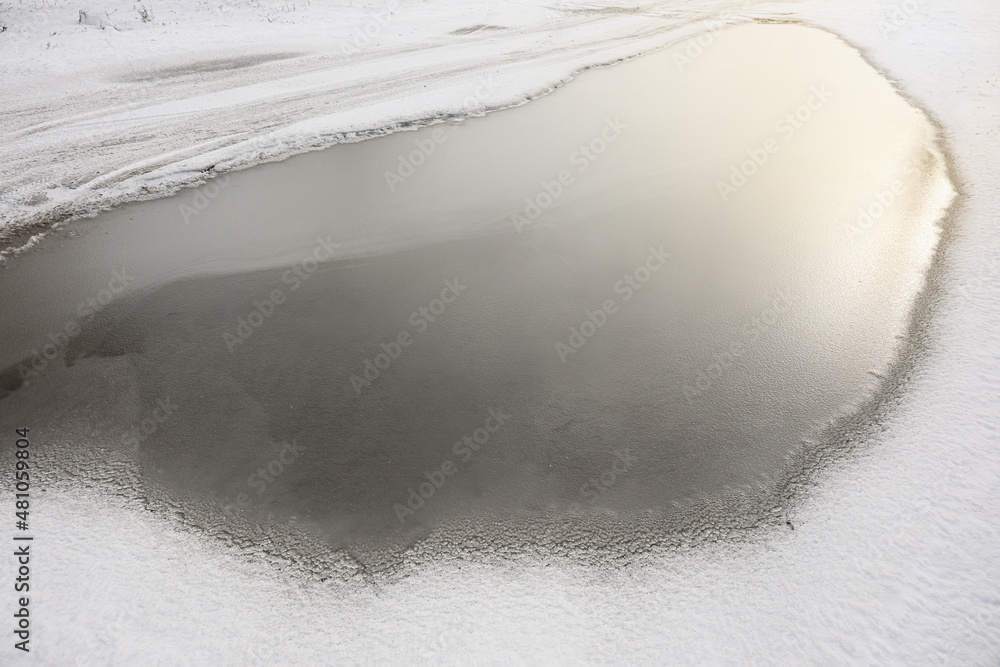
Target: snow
{"points": [[895, 555], [97, 116]]}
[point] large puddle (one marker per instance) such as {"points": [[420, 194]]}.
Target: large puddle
{"points": [[649, 287]]}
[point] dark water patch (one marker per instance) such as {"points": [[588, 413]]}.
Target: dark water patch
{"points": [[585, 321]]}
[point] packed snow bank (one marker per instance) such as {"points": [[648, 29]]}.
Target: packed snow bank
{"points": [[93, 116]]}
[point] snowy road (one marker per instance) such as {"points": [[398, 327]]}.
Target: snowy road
{"points": [[142, 111]]}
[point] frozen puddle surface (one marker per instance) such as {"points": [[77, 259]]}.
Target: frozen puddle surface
{"points": [[635, 297]]}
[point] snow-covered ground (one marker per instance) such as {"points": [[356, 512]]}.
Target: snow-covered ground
{"points": [[895, 556], [100, 108]]}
